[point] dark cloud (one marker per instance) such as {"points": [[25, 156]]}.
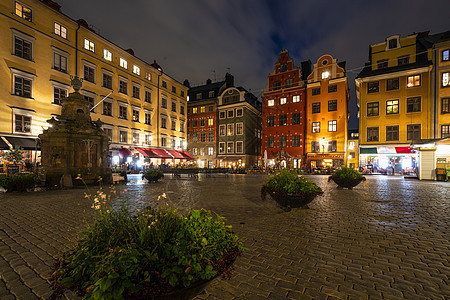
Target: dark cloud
{"points": [[201, 39]]}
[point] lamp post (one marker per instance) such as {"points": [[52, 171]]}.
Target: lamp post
{"points": [[322, 143]]}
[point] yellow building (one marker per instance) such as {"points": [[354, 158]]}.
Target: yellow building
{"points": [[441, 74], [327, 114], [42, 48]]}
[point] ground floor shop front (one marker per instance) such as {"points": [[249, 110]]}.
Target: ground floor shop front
{"points": [[388, 159]]}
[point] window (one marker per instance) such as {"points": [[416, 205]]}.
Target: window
{"points": [[295, 99], [107, 80], [332, 88], [202, 151], [392, 84], [270, 142], [163, 122], [282, 120], [202, 123], [164, 102], [295, 141], [148, 118], [123, 86], [182, 108], [135, 137], [211, 94], [23, 12], [372, 134], [413, 81], [222, 130], [316, 91], [194, 123], [382, 64], [58, 94], [391, 107], [221, 115], [202, 137], [221, 148], [315, 147], [210, 151], [239, 112], [198, 96], [403, 60], [332, 105], [107, 55], [445, 105], [270, 121], [277, 85], [194, 137], [89, 98], [123, 136], [163, 141], [22, 86], [210, 121], [239, 128], [123, 112], [181, 126], [315, 127], [282, 100], [60, 61], [282, 141], [174, 105], [445, 55], [89, 73], [108, 132], [283, 67], [230, 113], [23, 47], [136, 70], [174, 89], [210, 136], [123, 63], [372, 109], [325, 75], [373, 87], [148, 138], [332, 126], [316, 108], [136, 91], [295, 118], [135, 115], [60, 30], [230, 147], [182, 94], [446, 79], [332, 146], [289, 82], [270, 102], [194, 151], [392, 43], [392, 133], [148, 96], [413, 104], [107, 108], [211, 108], [230, 129], [173, 124], [164, 84], [413, 132], [445, 131], [89, 45], [22, 123]]}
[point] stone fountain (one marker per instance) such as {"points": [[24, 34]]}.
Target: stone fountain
{"points": [[74, 145]]}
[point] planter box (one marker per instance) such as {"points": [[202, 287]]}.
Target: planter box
{"points": [[349, 183], [288, 201]]}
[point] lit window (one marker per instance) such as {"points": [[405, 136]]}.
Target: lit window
{"points": [[148, 76], [239, 128], [24, 12], [194, 110], [136, 70], [202, 109], [123, 63], [282, 100], [210, 122], [446, 79], [296, 99], [413, 81], [392, 107], [148, 118], [89, 45], [123, 136], [325, 75], [271, 103], [230, 129], [230, 147], [446, 55], [60, 30], [135, 137], [107, 55], [315, 127], [332, 126]]}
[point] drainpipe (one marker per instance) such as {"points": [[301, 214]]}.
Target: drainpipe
{"points": [[76, 50], [157, 112]]}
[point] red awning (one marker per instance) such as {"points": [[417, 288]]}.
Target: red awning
{"points": [[162, 153], [125, 152], [186, 155], [148, 152], [404, 150], [175, 154]]}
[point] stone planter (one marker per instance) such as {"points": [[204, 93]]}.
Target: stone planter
{"points": [[348, 183], [152, 178], [288, 201]]}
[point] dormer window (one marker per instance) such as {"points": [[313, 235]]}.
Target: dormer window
{"points": [[283, 68], [393, 42]]}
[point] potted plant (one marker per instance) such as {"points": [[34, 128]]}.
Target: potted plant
{"points": [[346, 178], [153, 175], [146, 254], [290, 190]]}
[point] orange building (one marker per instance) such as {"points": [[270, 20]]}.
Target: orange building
{"points": [[327, 114]]}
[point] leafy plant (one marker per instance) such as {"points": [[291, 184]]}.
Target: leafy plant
{"points": [[19, 182], [346, 173], [15, 155], [153, 174], [144, 253]]}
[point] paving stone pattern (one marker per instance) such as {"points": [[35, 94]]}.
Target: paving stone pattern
{"points": [[388, 238]]}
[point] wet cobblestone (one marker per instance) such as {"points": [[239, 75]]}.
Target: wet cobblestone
{"points": [[387, 238]]}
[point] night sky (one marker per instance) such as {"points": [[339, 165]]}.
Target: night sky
{"points": [[201, 39]]}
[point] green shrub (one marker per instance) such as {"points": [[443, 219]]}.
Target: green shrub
{"points": [[346, 173], [153, 174], [289, 182], [19, 182], [144, 253]]}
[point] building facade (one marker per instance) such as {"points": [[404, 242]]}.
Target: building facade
{"points": [[327, 114], [42, 48], [283, 115]]}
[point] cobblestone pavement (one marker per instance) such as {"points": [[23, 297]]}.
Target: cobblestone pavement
{"points": [[388, 238]]}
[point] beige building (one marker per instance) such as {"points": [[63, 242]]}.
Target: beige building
{"points": [[42, 48]]}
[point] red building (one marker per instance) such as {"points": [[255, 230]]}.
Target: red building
{"points": [[283, 114]]}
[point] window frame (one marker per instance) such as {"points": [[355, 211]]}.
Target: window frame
{"points": [[447, 127], [89, 45], [282, 120], [315, 91], [23, 76], [106, 74], [107, 55], [413, 81], [445, 109], [135, 110], [17, 35], [61, 54], [295, 98], [270, 142], [392, 133], [393, 105], [24, 113], [271, 102], [222, 148], [445, 55], [123, 111], [136, 70], [296, 118], [408, 104], [373, 87], [447, 75], [392, 84], [107, 107], [270, 121], [315, 127], [60, 30], [332, 105], [89, 66], [222, 130], [315, 108], [60, 87], [230, 129], [22, 15], [136, 90], [332, 126], [370, 108], [332, 88], [148, 117], [283, 100], [413, 131], [296, 141], [230, 149], [370, 136], [123, 85], [239, 128], [123, 63]]}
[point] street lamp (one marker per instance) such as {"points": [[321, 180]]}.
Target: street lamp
{"points": [[322, 143]]}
